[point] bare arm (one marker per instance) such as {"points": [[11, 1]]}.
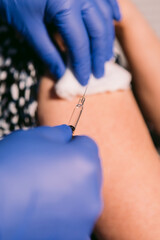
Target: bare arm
{"points": [[131, 166], [142, 48]]}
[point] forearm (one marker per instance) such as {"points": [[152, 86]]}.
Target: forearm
{"points": [[142, 48]]}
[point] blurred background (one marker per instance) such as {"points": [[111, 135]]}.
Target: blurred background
{"points": [[151, 10]]}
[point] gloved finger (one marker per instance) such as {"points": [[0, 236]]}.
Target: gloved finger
{"points": [[58, 134], [115, 8], [73, 31], [110, 31], [86, 146], [38, 37], [89, 151], [106, 10], [100, 29], [96, 27]]}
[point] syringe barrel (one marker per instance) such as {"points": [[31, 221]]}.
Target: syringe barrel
{"points": [[76, 116]]}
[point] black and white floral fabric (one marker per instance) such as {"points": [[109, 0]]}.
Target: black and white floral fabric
{"points": [[18, 82]]}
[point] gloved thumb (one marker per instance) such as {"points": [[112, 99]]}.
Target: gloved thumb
{"points": [[39, 39], [58, 134], [115, 8]]}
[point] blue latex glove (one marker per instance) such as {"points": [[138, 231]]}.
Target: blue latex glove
{"points": [[82, 24], [49, 185], [110, 10]]}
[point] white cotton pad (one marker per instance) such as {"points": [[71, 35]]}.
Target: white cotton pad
{"points": [[115, 78]]}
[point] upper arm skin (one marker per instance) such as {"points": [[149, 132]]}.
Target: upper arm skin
{"points": [[142, 48], [131, 167]]}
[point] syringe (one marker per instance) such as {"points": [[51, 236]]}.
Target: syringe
{"points": [[77, 112]]}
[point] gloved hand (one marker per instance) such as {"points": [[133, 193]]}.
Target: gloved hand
{"points": [[82, 24], [49, 185]]}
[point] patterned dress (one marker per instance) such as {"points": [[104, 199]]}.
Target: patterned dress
{"points": [[18, 82]]}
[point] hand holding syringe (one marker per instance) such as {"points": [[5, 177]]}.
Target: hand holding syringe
{"points": [[77, 112]]}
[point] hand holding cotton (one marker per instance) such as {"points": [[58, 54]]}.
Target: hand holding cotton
{"points": [[85, 25]]}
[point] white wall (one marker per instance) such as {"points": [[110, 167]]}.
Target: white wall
{"points": [[151, 10]]}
